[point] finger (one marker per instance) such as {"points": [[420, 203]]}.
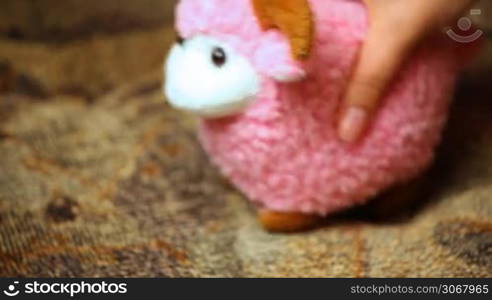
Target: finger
{"points": [[380, 58]]}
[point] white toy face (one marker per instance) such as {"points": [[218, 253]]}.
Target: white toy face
{"points": [[206, 77]]}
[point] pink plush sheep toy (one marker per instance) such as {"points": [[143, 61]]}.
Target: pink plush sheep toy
{"points": [[267, 77]]}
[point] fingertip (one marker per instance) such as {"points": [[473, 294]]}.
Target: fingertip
{"points": [[353, 123]]}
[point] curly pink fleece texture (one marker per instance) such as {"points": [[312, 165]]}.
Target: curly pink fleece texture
{"points": [[283, 152]]}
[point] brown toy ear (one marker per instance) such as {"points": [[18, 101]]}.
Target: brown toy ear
{"points": [[293, 17]]}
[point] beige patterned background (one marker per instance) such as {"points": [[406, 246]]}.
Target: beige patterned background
{"points": [[99, 177]]}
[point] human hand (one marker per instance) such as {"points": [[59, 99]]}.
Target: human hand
{"points": [[396, 28]]}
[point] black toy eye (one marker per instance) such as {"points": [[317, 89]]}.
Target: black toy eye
{"points": [[219, 57], [179, 39]]}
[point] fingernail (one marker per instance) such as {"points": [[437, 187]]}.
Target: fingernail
{"points": [[353, 123]]}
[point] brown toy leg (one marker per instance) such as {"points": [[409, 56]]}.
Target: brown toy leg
{"points": [[287, 222]]}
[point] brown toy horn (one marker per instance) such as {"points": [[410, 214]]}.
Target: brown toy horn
{"points": [[293, 17]]}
